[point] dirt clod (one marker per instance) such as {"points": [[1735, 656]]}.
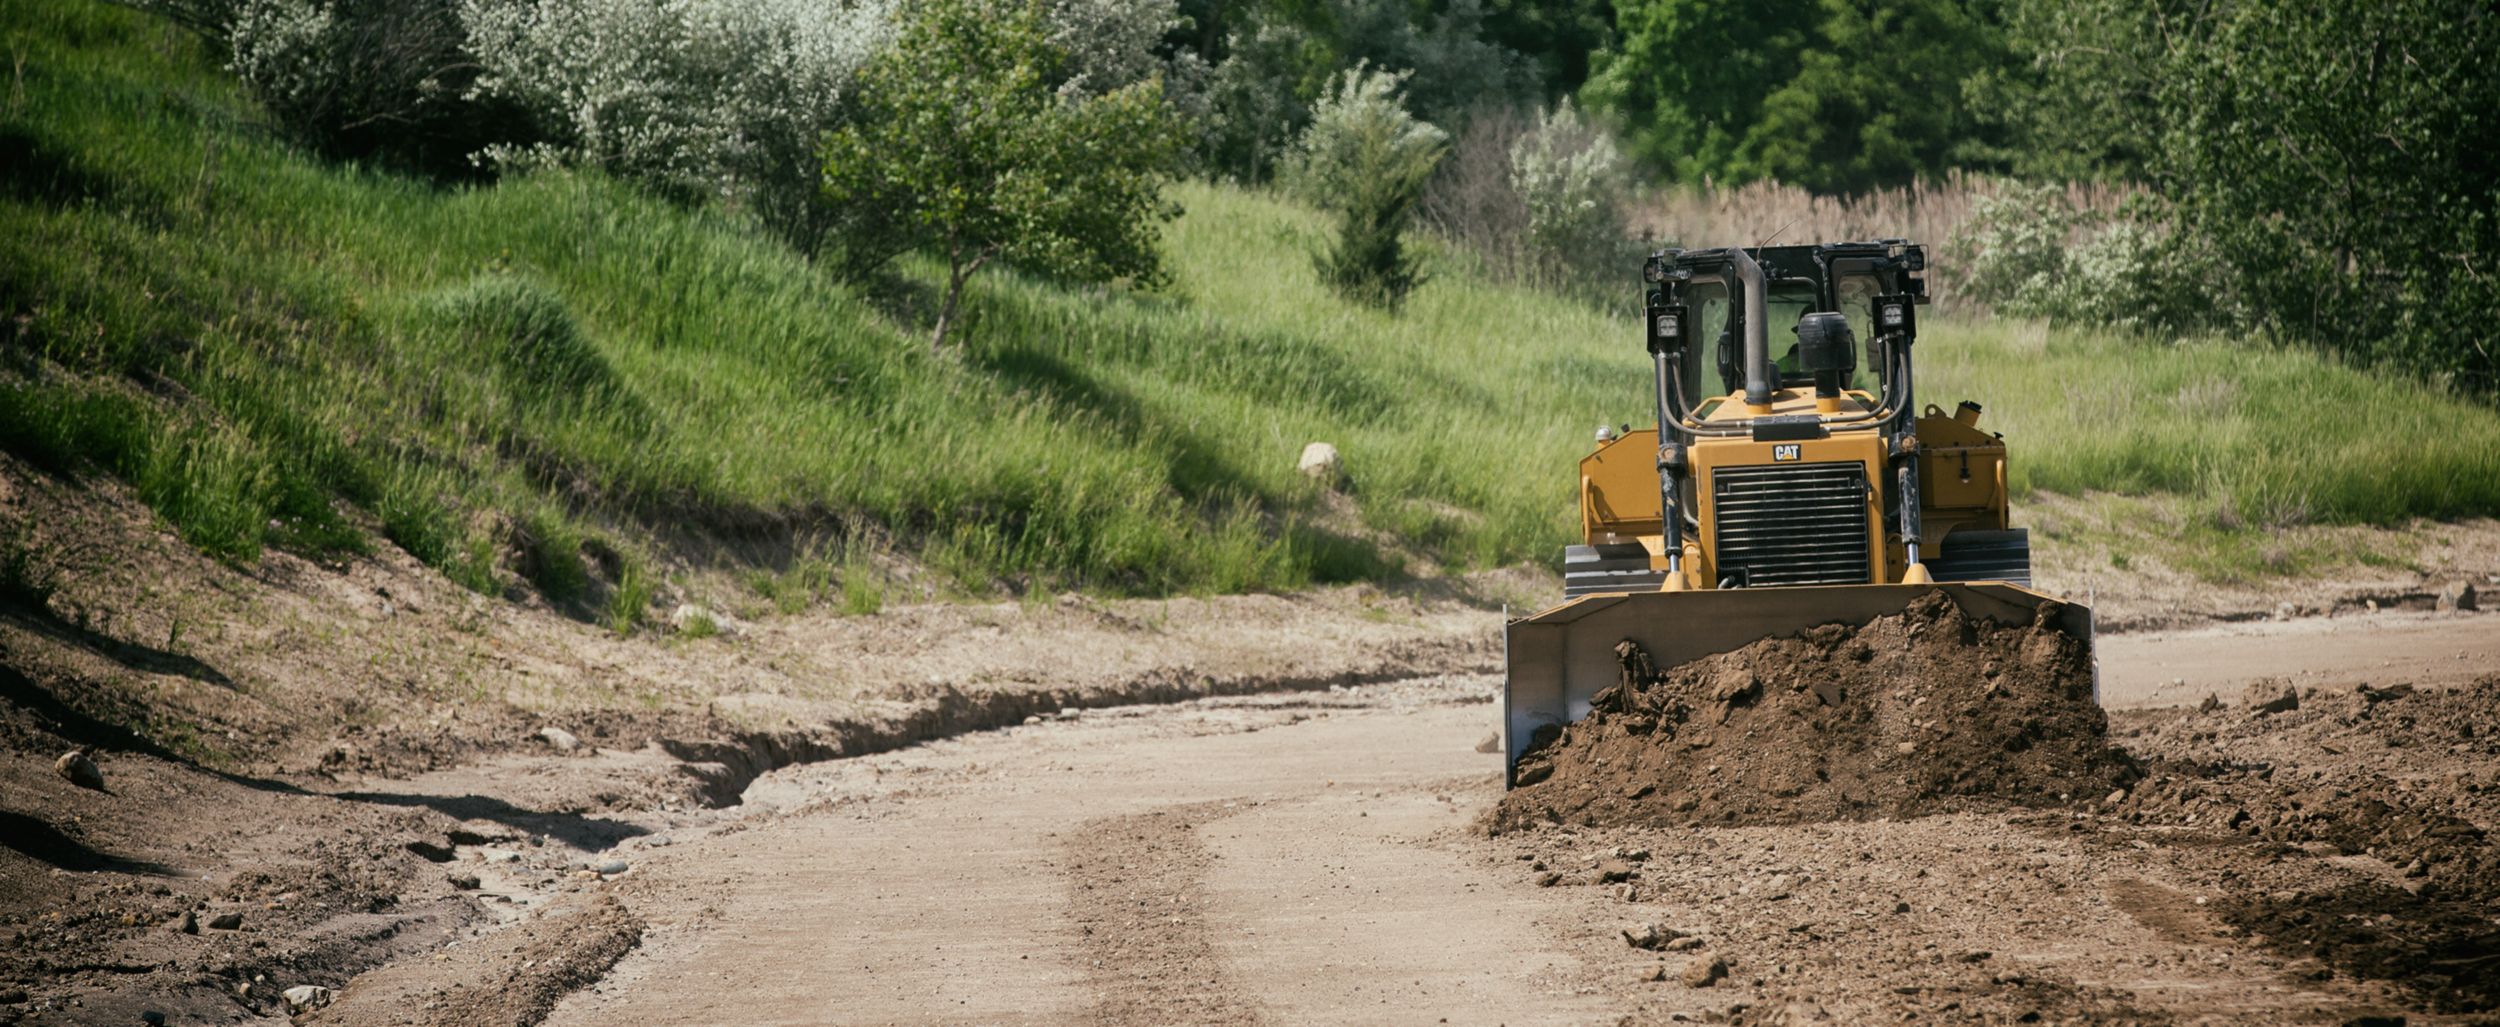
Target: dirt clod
{"points": [[1897, 717], [2271, 695]]}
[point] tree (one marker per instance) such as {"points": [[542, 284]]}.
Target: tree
{"points": [[1367, 159], [964, 143], [1686, 77], [1832, 95], [2331, 157]]}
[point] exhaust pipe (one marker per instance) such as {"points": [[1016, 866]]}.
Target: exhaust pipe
{"points": [[1757, 331]]}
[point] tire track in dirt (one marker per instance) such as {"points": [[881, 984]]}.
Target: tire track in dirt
{"points": [[1137, 886]]}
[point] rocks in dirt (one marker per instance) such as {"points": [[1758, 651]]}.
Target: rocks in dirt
{"points": [[1320, 461], [1652, 937], [559, 739], [226, 922], [2459, 595], [1492, 742], [189, 923], [464, 882], [1548, 879], [2373, 694], [77, 768], [2270, 695], [304, 998], [1614, 871], [611, 868], [1704, 971], [1912, 724]]}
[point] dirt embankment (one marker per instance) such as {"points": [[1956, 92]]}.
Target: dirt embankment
{"points": [[1927, 711]]}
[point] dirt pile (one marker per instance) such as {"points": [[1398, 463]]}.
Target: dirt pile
{"points": [[1926, 711]]}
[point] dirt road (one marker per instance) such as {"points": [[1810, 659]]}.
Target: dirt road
{"points": [[1306, 857], [1310, 859], [1284, 860]]}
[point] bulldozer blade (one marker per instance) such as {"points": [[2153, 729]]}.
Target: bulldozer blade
{"points": [[1561, 657]]}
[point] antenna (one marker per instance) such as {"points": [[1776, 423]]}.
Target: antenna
{"points": [[1792, 223]]}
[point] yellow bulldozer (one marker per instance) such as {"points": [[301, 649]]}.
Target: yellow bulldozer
{"points": [[1810, 488]]}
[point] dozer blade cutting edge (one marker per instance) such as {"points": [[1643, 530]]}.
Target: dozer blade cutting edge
{"points": [[1561, 657]]}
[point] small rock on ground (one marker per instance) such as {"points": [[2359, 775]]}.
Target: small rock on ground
{"points": [[1320, 460], [76, 768], [226, 922], [559, 739], [1704, 972], [304, 997]]}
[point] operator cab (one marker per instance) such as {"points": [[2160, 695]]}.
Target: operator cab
{"points": [[1846, 278]]}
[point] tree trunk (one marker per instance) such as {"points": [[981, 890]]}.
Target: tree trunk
{"points": [[946, 307], [958, 272]]}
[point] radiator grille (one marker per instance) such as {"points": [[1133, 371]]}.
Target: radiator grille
{"points": [[1792, 524]]}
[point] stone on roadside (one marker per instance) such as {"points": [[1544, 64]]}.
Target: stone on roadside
{"points": [[189, 924], [1320, 461], [226, 922], [1612, 871], [1704, 971], [464, 882], [307, 997], [2271, 695], [611, 868], [1650, 936], [559, 739], [77, 768], [1548, 879], [1686, 943], [2459, 595], [1492, 742]]}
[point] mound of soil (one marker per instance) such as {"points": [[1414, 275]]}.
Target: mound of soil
{"points": [[1922, 712]]}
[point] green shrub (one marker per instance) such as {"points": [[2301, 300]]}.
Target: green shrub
{"points": [[1366, 159], [1572, 183], [525, 330]]}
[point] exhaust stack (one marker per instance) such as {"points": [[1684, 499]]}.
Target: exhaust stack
{"points": [[1757, 331]]}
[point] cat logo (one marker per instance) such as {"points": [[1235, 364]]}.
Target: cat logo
{"points": [[1785, 451]]}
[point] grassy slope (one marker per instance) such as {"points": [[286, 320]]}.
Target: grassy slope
{"points": [[276, 350]]}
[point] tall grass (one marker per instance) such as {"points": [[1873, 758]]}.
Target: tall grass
{"points": [[542, 383], [2265, 436], [1937, 213], [502, 375]]}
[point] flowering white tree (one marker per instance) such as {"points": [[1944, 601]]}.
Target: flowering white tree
{"points": [[1570, 178], [702, 97]]}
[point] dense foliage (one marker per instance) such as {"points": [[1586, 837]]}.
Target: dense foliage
{"points": [[2330, 162], [1834, 95]]}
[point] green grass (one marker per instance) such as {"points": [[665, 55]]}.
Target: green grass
{"points": [[2255, 436], [545, 383]]}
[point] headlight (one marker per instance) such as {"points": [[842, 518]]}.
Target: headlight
{"points": [[1892, 315]]}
